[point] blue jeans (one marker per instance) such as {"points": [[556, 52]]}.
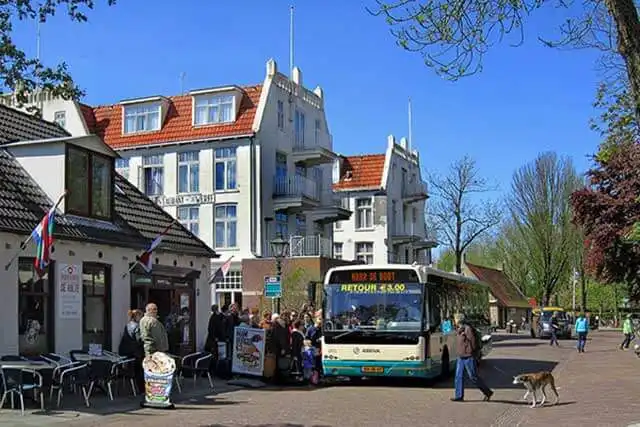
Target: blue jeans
{"points": [[582, 340], [468, 364], [554, 337]]}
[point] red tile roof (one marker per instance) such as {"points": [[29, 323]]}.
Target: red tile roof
{"points": [[106, 122], [89, 118], [503, 289], [361, 172]]}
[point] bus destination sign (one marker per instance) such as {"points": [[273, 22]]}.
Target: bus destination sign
{"points": [[378, 288], [374, 276]]}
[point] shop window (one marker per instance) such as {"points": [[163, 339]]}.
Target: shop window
{"points": [[35, 327], [96, 323]]}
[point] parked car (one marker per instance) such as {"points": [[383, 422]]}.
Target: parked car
{"points": [[541, 323]]}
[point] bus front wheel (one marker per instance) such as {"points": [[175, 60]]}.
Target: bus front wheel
{"points": [[445, 368]]}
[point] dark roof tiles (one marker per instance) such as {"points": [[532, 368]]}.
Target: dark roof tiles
{"points": [[503, 289]]}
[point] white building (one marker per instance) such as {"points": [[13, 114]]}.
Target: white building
{"points": [[387, 196], [102, 225], [236, 165]]}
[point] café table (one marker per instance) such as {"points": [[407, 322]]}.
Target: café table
{"points": [[39, 367]]}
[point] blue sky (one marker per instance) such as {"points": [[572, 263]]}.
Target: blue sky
{"points": [[527, 100]]}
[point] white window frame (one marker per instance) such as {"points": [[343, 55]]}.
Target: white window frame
{"points": [[364, 252], [122, 167], [60, 118], [226, 221], [145, 111], [187, 221], [227, 161], [362, 210], [214, 101], [338, 250], [155, 161], [280, 113], [189, 163]]}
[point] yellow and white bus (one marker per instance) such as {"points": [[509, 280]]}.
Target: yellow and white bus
{"points": [[398, 320]]}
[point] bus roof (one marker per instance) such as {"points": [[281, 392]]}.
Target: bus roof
{"points": [[423, 272]]}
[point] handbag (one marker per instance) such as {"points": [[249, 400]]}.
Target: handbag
{"points": [[315, 377]]}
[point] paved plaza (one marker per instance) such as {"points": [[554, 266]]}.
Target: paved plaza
{"points": [[597, 388]]}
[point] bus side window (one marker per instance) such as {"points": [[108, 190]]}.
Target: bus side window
{"points": [[435, 317]]}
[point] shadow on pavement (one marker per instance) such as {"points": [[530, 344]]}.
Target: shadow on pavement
{"points": [[502, 344], [499, 373], [206, 401], [264, 425], [528, 403]]}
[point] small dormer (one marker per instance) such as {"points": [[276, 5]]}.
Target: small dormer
{"points": [[215, 106], [143, 114], [89, 171], [82, 166]]}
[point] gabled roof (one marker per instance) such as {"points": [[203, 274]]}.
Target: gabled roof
{"points": [[361, 172], [20, 126], [106, 122], [503, 289], [136, 223]]}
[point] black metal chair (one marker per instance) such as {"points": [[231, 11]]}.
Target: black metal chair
{"points": [[124, 370], [18, 381], [195, 364], [73, 375], [101, 374]]}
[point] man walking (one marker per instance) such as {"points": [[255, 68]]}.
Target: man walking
{"points": [[555, 327], [467, 346], [152, 331], [627, 330], [582, 328]]}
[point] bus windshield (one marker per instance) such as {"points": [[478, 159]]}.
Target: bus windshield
{"points": [[378, 307]]}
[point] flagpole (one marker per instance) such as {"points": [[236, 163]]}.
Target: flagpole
{"points": [[26, 241], [137, 260]]}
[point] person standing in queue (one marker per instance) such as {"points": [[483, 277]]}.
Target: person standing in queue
{"points": [[152, 331], [131, 345], [467, 346]]}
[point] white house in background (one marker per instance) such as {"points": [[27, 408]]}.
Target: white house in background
{"points": [[101, 226], [66, 113], [387, 196], [237, 165]]}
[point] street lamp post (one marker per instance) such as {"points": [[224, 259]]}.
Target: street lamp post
{"points": [[279, 248]]}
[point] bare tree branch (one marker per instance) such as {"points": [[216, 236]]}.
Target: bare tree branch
{"points": [[457, 217]]}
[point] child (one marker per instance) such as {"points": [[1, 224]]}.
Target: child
{"points": [[308, 360]]}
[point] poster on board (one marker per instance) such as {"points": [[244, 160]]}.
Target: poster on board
{"points": [[69, 291], [248, 351]]}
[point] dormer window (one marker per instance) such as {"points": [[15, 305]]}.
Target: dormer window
{"points": [[213, 109], [141, 117], [89, 180]]}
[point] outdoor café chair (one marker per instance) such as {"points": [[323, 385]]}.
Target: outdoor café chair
{"points": [[125, 370], [195, 364], [18, 381], [72, 375], [57, 359], [101, 375]]}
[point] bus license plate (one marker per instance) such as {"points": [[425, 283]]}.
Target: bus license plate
{"points": [[373, 369]]}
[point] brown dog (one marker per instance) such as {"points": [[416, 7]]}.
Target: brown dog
{"points": [[537, 382]]}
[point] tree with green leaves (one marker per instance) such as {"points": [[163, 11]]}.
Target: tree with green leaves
{"points": [[24, 75], [454, 35], [541, 213], [458, 218]]}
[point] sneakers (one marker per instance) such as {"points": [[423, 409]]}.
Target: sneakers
{"points": [[487, 397], [457, 399]]}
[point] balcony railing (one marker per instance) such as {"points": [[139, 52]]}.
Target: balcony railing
{"points": [[295, 186], [306, 246]]}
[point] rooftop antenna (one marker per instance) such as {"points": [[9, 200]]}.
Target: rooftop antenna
{"points": [[291, 40], [410, 125], [38, 38], [183, 75]]}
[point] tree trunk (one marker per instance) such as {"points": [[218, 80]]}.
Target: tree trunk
{"points": [[459, 257], [625, 16], [583, 291]]}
